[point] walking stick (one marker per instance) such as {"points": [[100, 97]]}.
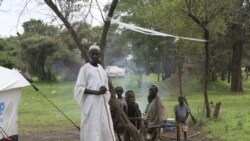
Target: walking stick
{"points": [[178, 131], [191, 115]]}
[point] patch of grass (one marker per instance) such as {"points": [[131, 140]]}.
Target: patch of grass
{"points": [[233, 123], [36, 115], [234, 120]]}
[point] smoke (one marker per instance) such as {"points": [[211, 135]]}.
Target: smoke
{"points": [[67, 69], [130, 82]]}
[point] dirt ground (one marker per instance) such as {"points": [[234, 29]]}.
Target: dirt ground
{"points": [[195, 134], [51, 136]]}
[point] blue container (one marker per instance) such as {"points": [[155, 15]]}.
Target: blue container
{"points": [[170, 126]]}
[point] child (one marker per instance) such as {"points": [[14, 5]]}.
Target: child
{"points": [[181, 115], [133, 108], [133, 112], [119, 129], [119, 91]]}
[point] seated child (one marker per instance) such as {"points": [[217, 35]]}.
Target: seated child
{"points": [[181, 115], [119, 129], [119, 91], [133, 108], [156, 113]]}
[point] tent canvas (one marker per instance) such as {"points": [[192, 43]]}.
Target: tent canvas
{"points": [[11, 82], [115, 71]]}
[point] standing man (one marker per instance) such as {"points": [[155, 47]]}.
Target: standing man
{"points": [[92, 94]]}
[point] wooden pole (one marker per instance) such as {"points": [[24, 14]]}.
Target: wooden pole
{"points": [[191, 115], [178, 131]]}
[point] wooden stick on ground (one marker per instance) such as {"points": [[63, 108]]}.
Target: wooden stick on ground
{"points": [[174, 138], [194, 135]]}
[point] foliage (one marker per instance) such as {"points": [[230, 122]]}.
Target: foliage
{"points": [[66, 61], [169, 17], [57, 52], [9, 53], [37, 52], [38, 27]]}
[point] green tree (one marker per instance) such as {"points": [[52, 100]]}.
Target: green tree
{"points": [[38, 27], [191, 18], [205, 13], [114, 104], [239, 35], [37, 52], [9, 53], [62, 60]]}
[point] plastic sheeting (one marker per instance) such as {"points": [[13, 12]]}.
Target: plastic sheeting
{"points": [[152, 32], [11, 82], [9, 101], [10, 79]]}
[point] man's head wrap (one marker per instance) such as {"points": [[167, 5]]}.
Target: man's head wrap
{"points": [[94, 47]]}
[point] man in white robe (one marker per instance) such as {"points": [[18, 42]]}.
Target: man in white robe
{"points": [[92, 94]]}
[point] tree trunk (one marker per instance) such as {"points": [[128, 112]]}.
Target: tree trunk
{"points": [[236, 79], [212, 66], [106, 28], [217, 110], [180, 77], [213, 75], [158, 75], [223, 78], [192, 116], [247, 69], [41, 68], [206, 37], [247, 75], [121, 116], [229, 74], [204, 26], [70, 29]]}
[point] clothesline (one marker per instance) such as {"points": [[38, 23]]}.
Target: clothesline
{"points": [[152, 32]]}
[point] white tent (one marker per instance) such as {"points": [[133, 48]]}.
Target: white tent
{"points": [[11, 82], [114, 71]]}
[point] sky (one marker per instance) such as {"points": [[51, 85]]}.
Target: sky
{"points": [[13, 14]]}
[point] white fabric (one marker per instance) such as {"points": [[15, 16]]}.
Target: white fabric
{"points": [[94, 47], [114, 71], [96, 122], [152, 32], [10, 88], [11, 79], [9, 101]]}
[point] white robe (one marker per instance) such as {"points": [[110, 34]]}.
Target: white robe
{"points": [[96, 122]]}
